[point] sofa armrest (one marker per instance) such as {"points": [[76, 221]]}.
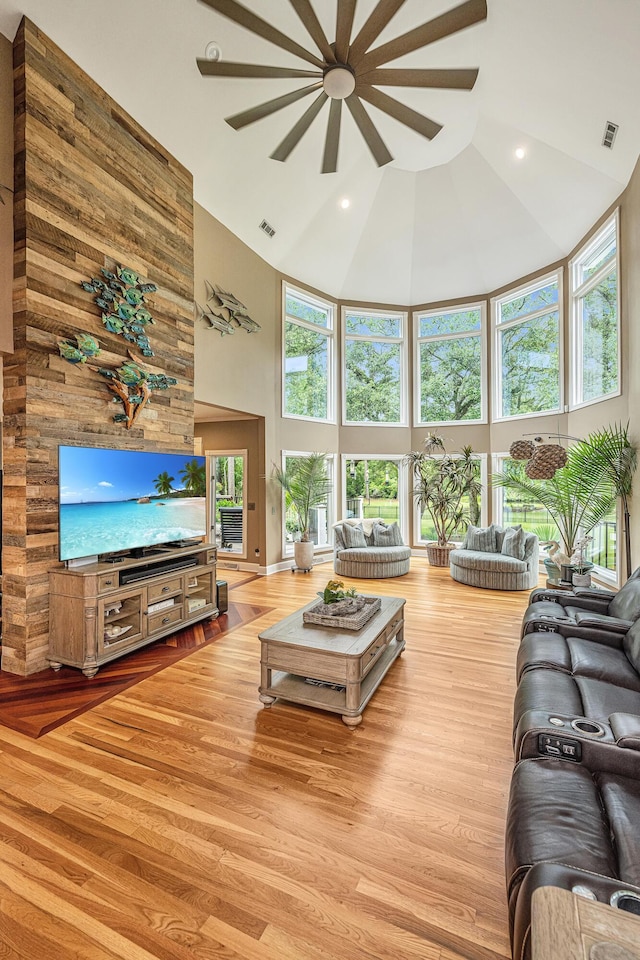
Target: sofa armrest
{"points": [[626, 729], [592, 593], [612, 624], [567, 627]]}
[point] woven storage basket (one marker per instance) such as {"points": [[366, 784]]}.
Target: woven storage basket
{"points": [[522, 449], [439, 556]]}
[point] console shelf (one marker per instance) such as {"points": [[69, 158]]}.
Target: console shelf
{"points": [[103, 610]]}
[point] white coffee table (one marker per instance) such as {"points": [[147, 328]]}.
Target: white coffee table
{"points": [[346, 665]]}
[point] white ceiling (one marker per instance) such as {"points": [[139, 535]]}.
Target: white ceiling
{"points": [[456, 216]]}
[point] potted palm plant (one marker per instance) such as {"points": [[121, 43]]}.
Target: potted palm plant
{"points": [[441, 482], [306, 485], [581, 494]]}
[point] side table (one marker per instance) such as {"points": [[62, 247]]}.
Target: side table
{"points": [[569, 927], [559, 585]]}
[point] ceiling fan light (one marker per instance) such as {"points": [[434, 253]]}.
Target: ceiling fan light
{"points": [[339, 83]]}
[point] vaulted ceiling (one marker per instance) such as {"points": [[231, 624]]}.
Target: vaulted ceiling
{"points": [[454, 216]]}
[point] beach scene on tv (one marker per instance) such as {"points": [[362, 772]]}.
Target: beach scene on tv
{"points": [[112, 501]]}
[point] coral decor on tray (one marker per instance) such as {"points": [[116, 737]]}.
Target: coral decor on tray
{"points": [[336, 601], [341, 609]]}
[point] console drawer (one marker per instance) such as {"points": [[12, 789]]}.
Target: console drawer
{"points": [[156, 591], [371, 654], [107, 582], [164, 618]]}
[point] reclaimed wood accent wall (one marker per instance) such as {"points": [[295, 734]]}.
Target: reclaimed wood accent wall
{"points": [[93, 190]]}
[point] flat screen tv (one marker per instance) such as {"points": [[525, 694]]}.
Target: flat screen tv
{"points": [[113, 501]]}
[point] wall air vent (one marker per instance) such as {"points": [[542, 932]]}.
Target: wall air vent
{"points": [[610, 130], [268, 229]]}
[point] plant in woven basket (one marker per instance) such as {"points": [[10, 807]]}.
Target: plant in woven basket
{"points": [[441, 483]]}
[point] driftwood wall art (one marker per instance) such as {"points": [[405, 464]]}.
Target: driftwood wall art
{"points": [[222, 310]]}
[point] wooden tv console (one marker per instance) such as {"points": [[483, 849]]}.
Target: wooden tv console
{"points": [[101, 611]]}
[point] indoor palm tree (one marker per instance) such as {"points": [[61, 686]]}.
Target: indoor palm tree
{"points": [[306, 485], [441, 482], [579, 496]]}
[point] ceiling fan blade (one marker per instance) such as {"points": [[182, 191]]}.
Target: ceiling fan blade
{"points": [[251, 21], [297, 132], [239, 120], [464, 15], [371, 30], [344, 25], [308, 16], [400, 111], [330, 158], [371, 136], [224, 68], [453, 79]]}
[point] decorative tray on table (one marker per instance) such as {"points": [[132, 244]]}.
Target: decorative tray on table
{"points": [[346, 615]]}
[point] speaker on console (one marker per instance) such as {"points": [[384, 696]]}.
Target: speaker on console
{"points": [[222, 594]]}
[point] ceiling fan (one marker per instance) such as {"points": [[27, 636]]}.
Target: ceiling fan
{"points": [[347, 70]]}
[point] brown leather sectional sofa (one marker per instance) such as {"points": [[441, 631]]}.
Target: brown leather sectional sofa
{"points": [[574, 807]]}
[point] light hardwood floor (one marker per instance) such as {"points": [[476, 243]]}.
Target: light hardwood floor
{"points": [[181, 819]]}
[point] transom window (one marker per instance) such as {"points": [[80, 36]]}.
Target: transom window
{"points": [[449, 366], [527, 350], [308, 360], [374, 367], [595, 318]]}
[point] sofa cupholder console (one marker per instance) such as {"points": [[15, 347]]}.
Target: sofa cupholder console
{"points": [[589, 727], [579, 739], [626, 900]]}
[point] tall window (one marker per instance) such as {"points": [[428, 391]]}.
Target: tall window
{"points": [[322, 515], [450, 366], [228, 500], [595, 330], [474, 506], [375, 487], [527, 350], [512, 507], [374, 367], [308, 356]]}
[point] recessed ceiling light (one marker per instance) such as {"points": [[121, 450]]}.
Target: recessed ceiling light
{"points": [[345, 203], [520, 153]]}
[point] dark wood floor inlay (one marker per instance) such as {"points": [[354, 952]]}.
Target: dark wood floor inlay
{"points": [[35, 705]]}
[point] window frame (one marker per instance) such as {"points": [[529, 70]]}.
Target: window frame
{"points": [[417, 340], [401, 340], [610, 577], [212, 457], [577, 292], [496, 353], [403, 483], [287, 546], [329, 332], [484, 499]]}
